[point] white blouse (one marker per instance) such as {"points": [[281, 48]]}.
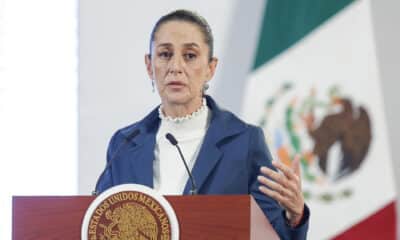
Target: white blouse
{"points": [[169, 173]]}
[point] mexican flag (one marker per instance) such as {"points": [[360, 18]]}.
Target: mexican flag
{"points": [[315, 90]]}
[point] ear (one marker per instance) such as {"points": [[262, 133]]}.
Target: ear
{"points": [[212, 65], [149, 67]]}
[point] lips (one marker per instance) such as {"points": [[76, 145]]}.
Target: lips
{"points": [[175, 85]]}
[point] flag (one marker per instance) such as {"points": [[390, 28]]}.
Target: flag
{"points": [[315, 90]]}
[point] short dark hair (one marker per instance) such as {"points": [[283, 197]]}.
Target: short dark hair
{"points": [[190, 17]]}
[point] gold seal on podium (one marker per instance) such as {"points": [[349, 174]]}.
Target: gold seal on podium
{"points": [[130, 211]]}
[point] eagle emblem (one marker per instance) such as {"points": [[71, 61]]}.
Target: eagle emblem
{"points": [[331, 134], [130, 221]]}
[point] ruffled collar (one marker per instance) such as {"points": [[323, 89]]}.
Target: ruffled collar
{"points": [[183, 119]]}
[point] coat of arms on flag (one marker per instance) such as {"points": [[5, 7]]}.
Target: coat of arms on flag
{"points": [[331, 135]]}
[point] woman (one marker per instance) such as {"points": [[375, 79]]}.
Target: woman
{"points": [[225, 155]]}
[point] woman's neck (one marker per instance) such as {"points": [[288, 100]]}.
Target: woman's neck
{"points": [[188, 123], [181, 110]]}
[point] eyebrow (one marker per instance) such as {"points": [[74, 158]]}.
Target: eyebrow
{"points": [[188, 45], [195, 45]]}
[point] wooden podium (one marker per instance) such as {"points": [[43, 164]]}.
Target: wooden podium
{"points": [[200, 217]]}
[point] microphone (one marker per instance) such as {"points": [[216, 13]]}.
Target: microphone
{"points": [[122, 145], [173, 141]]}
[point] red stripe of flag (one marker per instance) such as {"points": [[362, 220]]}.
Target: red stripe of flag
{"points": [[380, 225]]}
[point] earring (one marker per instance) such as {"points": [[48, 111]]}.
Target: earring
{"points": [[152, 85], [205, 87]]}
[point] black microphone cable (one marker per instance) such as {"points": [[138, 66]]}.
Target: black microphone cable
{"points": [[173, 141]]}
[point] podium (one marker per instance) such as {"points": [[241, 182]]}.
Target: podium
{"points": [[200, 217]]}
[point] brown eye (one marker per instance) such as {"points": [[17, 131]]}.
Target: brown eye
{"points": [[190, 56], [165, 55]]}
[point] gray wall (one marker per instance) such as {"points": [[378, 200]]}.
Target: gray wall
{"points": [[386, 18]]}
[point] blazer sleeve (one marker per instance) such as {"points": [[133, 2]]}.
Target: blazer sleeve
{"points": [[258, 156]]}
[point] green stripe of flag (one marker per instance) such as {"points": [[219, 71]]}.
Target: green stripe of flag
{"points": [[288, 21]]}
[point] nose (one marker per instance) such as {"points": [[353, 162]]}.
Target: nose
{"points": [[175, 64]]}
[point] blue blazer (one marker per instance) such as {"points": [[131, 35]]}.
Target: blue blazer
{"points": [[228, 163]]}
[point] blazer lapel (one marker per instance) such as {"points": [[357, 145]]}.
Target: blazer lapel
{"points": [[142, 155], [222, 125], [208, 157], [142, 161]]}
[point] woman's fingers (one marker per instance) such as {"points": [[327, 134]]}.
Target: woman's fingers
{"points": [[283, 186], [281, 190]]}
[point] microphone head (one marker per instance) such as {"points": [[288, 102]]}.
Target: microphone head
{"points": [[171, 139]]}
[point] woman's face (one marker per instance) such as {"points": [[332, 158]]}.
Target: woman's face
{"points": [[179, 64]]}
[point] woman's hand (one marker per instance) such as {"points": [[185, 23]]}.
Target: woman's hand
{"points": [[285, 187]]}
